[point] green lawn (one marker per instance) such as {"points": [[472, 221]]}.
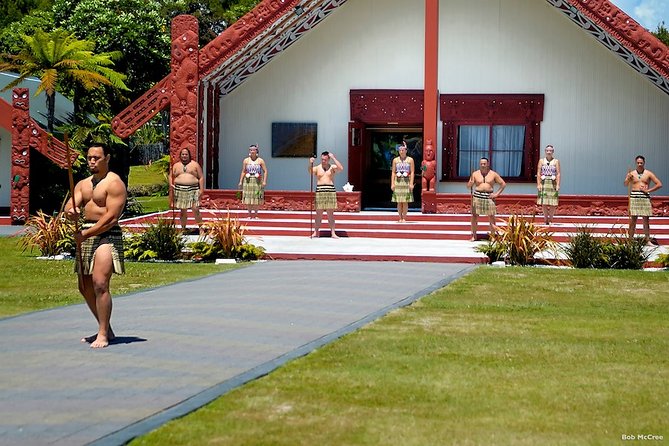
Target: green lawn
{"points": [[28, 284], [154, 204], [515, 356], [143, 175]]}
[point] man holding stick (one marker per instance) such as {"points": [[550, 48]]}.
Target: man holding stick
{"points": [[326, 194], [101, 198]]}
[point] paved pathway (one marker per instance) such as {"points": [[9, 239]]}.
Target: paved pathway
{"points": [[184, 345]]}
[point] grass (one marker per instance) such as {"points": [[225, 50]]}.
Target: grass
{"points": [[154, 204], [145, 175], [519, 356], [27, 284]]}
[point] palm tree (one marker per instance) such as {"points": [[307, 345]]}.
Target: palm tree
{"points": [[58, 58]]}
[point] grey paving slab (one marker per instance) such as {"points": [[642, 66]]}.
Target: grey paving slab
{"points": [[184, 345]]}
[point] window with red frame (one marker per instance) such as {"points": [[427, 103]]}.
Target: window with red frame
{"points": [[503, 128]]}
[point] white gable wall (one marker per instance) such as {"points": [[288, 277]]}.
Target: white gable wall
{"points": [[599, 113]]}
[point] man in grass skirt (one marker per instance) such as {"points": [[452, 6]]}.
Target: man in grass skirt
{"points": [[481, 183], [101, 198], [548, 184], [401, 181], [639, 183], [253, 181], [187, 181], [326, 194]]}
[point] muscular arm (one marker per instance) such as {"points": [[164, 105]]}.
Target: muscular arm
{"points": [[502, 184], [116, 195], [657, 183], [470, 183], [70, 211], [200, 176], [337, 163]]}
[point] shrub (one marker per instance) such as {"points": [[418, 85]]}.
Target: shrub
{"points": [[133, 208], [50, 234], [494, 251], [520, 240], [616, 251], [160, 241], [148, 190], [224, 238], [663, 259], [584, 250]]}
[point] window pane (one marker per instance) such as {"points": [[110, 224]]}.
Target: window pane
{"points": [[507, 149], [473, 143]]}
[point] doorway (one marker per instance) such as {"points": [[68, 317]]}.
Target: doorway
{"points": [[383, 142]]}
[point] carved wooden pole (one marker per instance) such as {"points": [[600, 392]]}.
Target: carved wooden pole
{"points": [[22, 127], [431, 98]]}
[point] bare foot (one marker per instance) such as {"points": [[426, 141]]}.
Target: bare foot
{"points": [[473, 238], [90, 339], [334, 235], [100, 342], [316, 234]]}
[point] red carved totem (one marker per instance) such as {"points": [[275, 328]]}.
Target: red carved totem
{"points": [[185, 80], [22, 128]]}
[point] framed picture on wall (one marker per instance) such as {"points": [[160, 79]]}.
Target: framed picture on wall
{"points": [[294, 139]]}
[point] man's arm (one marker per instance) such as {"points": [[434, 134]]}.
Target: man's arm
{"points": [[629, 177], [72, 212], [656, 181], [200, 176], [337, 163], [470, 183], [502, 184]]}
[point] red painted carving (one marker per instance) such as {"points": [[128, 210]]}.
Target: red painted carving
{"points": [[22, 126], [143, 109], [627, 31], [185, 79], [242, 32], [280, 200], [387, 106]]}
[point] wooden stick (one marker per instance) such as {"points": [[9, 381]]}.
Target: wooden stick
{"points": [[70, 175], [313, 199]]}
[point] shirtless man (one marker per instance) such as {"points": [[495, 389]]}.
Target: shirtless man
{"points": [[483, 194], [253, 180], [326, 195], [187, 180], [102, 197], [639, 182]]}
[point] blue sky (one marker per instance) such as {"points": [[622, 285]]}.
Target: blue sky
{"points": [[648, 13]]}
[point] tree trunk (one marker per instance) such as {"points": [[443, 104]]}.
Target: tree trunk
{"points": [[51, 111]]}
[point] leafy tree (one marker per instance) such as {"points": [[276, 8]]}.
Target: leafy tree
{"points": [[135, 28], [662, 33], [14, 10], [10, 36], [58, 57]]}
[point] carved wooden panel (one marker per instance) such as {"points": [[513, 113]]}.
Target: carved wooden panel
{"points": [[404, 107], [22, 128]]}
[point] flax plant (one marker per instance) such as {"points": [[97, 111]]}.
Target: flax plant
{"points": [[226, 233], [520, 239], [49, 234]]}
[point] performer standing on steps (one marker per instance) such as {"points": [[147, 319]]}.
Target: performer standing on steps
{"points": [[187, 180], [483, 196], [101, 197], [639, 181], [326, 194], [548, 184], [401, 181], [253, 181]]}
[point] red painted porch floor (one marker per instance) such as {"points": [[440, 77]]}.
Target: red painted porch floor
{"points": [[377, 235]]}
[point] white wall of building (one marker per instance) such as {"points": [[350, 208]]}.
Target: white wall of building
{"points": [[5, 172], [599, 113]]}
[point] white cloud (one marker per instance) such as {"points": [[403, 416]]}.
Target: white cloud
{"points": [[650, 13]]}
